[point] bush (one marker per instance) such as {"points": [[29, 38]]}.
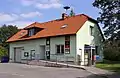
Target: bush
{"points": [[112, 51], [3, 52]]}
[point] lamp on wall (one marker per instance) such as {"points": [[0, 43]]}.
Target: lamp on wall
{"points": [[80, 50], [79, 57]]}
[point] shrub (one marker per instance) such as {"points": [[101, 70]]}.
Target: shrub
{"points": [[3, 52], [112, 51]]}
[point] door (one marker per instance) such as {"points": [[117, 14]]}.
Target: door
{"points": [[93, 58], [17, 54], [42, 52], [87, 57], [32, 54], [89, 53]]}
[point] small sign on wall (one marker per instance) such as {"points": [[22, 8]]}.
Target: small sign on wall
{"points": [[67, 51], [67, 44], [26, 54], [47, 47]]}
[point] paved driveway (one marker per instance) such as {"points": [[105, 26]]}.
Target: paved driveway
{"points": [[12, 70]]}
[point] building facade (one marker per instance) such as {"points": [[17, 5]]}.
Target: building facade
{"points": [[78, 42]]}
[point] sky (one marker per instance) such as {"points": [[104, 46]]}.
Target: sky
{"points": [[24, 12]]}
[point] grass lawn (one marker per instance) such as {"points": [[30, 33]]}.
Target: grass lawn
{"points": [[112, 66]]}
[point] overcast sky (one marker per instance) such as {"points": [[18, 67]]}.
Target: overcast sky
{"points": [[25, 12]]}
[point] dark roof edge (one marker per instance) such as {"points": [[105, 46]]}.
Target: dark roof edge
{"points": [[101, 32], [39, 38], [91, 19]]}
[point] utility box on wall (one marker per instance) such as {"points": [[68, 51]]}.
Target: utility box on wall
{"points": [[97, 57]]}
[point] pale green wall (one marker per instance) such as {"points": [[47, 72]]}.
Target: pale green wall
{"points": [[28, 46], [35, 45], [98, 40], [61, 40]]}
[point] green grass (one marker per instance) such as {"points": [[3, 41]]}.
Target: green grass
{"points": [[112, 66]]}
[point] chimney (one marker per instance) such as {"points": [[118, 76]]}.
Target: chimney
{"points": [[64, 15]]}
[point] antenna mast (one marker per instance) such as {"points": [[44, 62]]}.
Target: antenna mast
{"points": [[66, 8]]}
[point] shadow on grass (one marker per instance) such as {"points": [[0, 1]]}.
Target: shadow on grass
{"points": [[114, 75], [110, 62], [109, 65]]}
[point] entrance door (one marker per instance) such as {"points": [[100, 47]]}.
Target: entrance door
{"points": [[32, 54], [93, 58], [89, 53], [87, 57], [17, 54], [42, 52]]}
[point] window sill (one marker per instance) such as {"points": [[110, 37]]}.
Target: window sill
{"points": [[59, 54]]}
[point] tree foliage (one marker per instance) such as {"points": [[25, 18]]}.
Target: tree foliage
{"points": [[109, 17], [112, 50], [5, 33], [3, 51]]}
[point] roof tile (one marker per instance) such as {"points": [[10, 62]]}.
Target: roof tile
{"points": [[52, 28]]}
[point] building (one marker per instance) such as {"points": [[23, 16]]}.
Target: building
{"points": [[77, 37]]}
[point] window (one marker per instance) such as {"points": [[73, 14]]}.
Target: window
{"points": [[48, 41], [60, 49], [91, 30], [31, 32], [64, 26], [96, 50]]}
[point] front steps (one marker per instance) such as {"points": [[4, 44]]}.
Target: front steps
{"points": [[44, 63], [53, 64]]}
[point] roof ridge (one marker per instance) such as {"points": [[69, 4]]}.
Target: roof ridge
{"points": [[60, 19], [56, 20]]}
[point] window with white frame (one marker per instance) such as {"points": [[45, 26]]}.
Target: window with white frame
{"points": [[59, 49], [31, 32]]}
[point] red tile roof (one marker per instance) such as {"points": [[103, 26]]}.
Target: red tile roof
{"points": [[52, 28]]}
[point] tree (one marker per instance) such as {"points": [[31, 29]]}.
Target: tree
{"points": [[109, 17], [112, 50], [5, 33], [72, 13]]}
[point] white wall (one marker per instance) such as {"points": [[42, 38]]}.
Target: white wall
{"points": [[83, 37]]}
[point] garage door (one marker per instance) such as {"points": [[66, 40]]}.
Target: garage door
{"points": [[17, 54]]}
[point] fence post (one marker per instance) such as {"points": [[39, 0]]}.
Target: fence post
{"points": [[56, 58], [67, 60]]}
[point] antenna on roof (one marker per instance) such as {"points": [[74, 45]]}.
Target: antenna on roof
{"points": [[64, 15]]}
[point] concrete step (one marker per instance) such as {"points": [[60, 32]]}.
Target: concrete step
{"points": [[54, 64], [44, 63]]}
